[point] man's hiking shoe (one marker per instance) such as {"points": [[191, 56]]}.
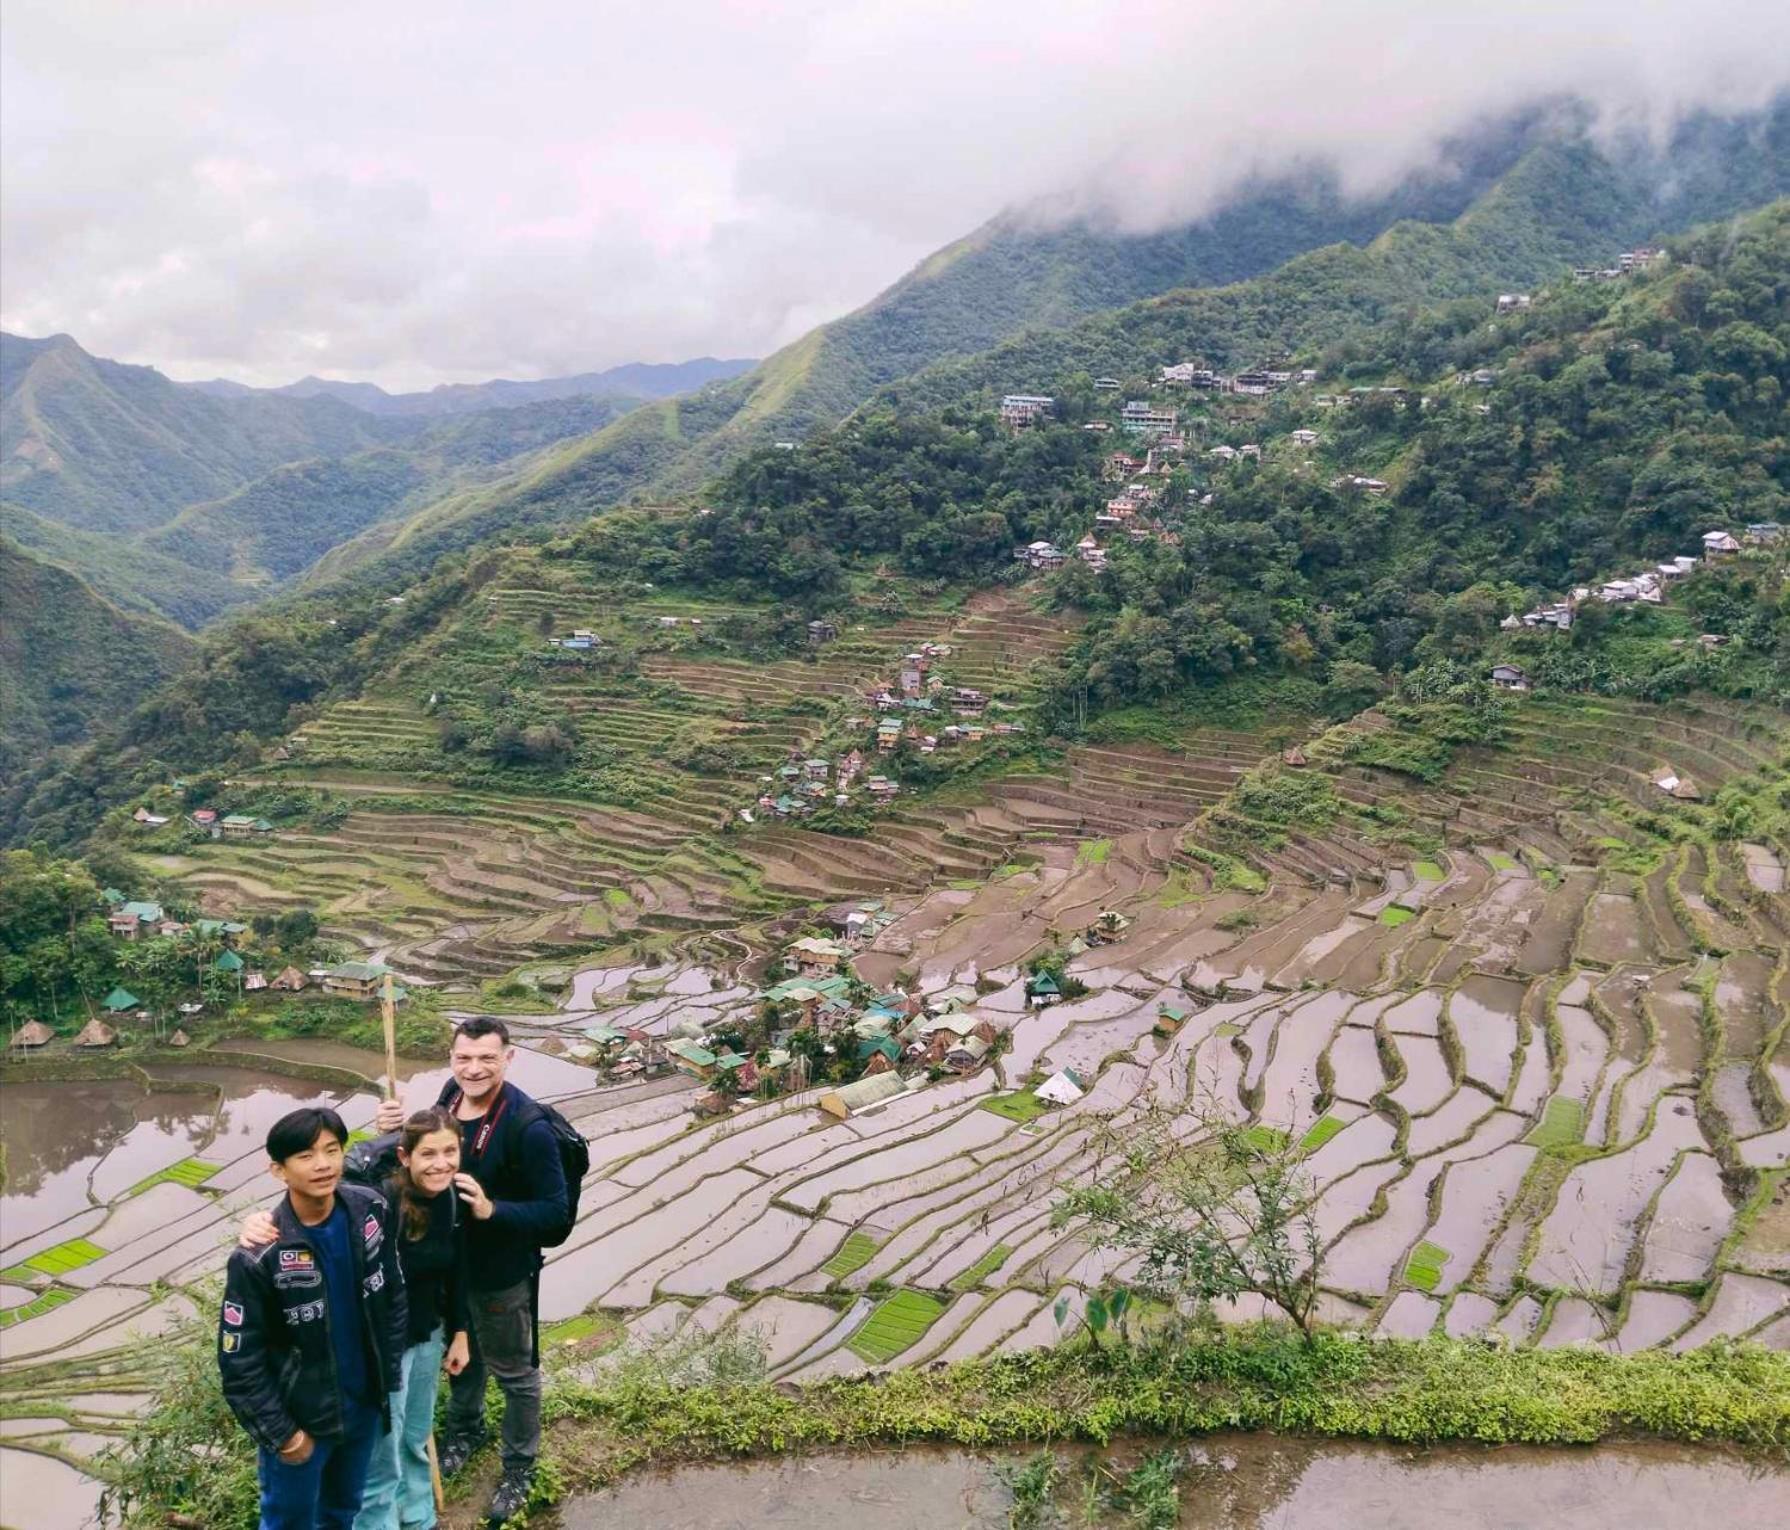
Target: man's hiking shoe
{"points": [[456, 1450], [511, 1497]]}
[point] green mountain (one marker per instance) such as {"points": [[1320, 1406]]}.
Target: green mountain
{"points": [[129, 574], [105, 447], [70, 658], [275, 527], [1602, 429], [1530, 200], [633, 380]]}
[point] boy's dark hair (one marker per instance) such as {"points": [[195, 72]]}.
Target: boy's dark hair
{"points": [[299, 1129], [482, 1025]]}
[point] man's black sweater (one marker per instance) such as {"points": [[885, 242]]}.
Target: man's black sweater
{"points": [[518, 1167]]}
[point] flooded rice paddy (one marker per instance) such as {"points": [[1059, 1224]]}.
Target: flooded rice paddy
{"points": [[1226, 1483], [1511, 1079]]}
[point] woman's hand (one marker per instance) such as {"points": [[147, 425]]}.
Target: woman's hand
{"points": [[258, 1231], [459, 1354], [473, 1194]]}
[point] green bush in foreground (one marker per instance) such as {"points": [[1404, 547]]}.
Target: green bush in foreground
{"points": [[190, 1458]]}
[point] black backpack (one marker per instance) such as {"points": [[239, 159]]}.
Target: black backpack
{"points": [[574, 1154]]}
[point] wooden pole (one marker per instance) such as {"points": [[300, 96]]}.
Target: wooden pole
{"points": [[388, 1015], [435, 1478]]}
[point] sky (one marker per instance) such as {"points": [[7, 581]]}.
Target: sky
{"points": [[418, 193]]}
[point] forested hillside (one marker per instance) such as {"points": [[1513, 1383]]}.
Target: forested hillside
{"points": [[106, 447], [68, 656], [1529, 203], [1609, 423], [277, 526], [1605, 427]]}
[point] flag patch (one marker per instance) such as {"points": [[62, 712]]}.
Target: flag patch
{"points": [[233, 1314]]}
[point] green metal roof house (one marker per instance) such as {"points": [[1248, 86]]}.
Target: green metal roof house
{"points": [[119, 1000]]}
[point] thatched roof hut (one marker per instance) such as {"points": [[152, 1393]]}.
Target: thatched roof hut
{"points": [[33, 1033], [96, 1033], [180, 1039], [289, 981]]}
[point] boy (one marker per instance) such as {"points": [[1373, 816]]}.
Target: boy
{"points": [[313, 1330]]}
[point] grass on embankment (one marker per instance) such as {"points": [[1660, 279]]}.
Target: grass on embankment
{"points": [[1426, 1392], [1257, 1378]]}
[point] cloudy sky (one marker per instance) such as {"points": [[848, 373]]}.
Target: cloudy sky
{"points": [[416, 193]]}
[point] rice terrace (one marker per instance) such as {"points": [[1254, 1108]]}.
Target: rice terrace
{"points": [[1546, 1101]]}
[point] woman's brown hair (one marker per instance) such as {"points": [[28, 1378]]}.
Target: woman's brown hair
{"points": [[413, 1211]]}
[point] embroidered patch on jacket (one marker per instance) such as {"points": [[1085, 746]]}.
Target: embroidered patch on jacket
{"points": [[304, 1312], [232, 1343], [370, 1228], [297, 1259], [233, 1314], [375, 1282], [297, 1280]]}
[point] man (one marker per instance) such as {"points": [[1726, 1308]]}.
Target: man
{"points": [[513, 1185], [313, 1330]]}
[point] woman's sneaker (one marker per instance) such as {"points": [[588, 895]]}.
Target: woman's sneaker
{"points": [[511, 1497], [456, 1450]]}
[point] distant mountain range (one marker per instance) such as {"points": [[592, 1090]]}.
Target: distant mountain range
{"points": [[637, 379], [186, 501]]}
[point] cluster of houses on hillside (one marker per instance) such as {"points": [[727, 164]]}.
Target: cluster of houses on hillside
{"points": [[1647, 586], [1627, 264], [1255, 382], [907, 709], [209, 822]]}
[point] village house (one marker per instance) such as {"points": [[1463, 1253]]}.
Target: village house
{"points": [[1020, 410], [888, 733], [30, 1036], [1223, 453], [148, 819], [821, 632], [1119, 467], [1063, 1087], [1512, 302], [1106, 385], [95, 1034], [1140, 417], [1763, 533], [881, 788], [814, 956], [1718, 544], [1358, 482], [691, 1057], [1305, 438], [1041, 555], [129, 921], [864, 1096], [119, 1001], [206, 821], [289, 981], [1675, 785], [355, 980], [241, 826], [1507, 677], [967, 1055], [1170, 1017], [1255, 383]]}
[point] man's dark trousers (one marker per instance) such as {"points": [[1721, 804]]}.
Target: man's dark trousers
{"points": [[503, 1344]]}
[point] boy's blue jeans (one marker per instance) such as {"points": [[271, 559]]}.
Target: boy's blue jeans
{"points": [[399, 1493], [324, 1493]]}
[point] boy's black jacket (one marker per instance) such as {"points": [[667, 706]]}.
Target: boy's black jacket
{"points": [[274, 1349]]}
